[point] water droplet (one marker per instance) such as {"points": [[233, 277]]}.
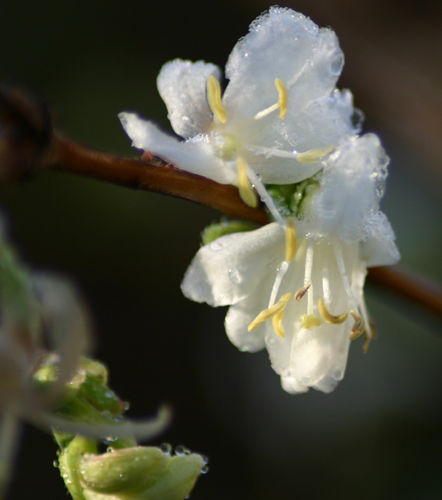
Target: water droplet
{"points": [[110, 449], [205, 459], [234, 276], [205, 470], [216, 246], [166, 448], [356, 119], [181, 450], [336, 65], [270, 339], [55, 463]]}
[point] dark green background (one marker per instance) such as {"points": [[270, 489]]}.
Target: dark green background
{"points": [[378, 435]]}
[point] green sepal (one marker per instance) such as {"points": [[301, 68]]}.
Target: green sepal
{"points": [[140, 473], [292, 199], [69, 464], [218, 229]]}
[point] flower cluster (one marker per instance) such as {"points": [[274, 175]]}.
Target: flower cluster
{"points": [[282, 128]]}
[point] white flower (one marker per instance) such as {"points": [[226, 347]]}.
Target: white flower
{"points": [[299, 292], [280, 114]]}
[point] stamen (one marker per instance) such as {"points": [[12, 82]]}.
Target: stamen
{"points": [[214, 99], [277, 283], [282, 100], [308, 276], [314, 155], [277, 324], [370, 333], [281, 104], [290, 240], [310, 321], [328, 317], [359, 326], [246, 192], [265, 197], [301, 292], [269, 313]]}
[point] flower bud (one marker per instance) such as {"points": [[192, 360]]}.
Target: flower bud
{"points": [[142, 473]]}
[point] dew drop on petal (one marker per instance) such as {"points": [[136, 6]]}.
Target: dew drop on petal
{"points": [[216, 246], [234, 276], [166, 448]]}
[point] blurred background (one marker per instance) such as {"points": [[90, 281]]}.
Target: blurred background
{"points": [[378, 435]]}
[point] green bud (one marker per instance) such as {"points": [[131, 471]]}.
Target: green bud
{"points": [[139, 473], [124, 471], [218, 229], [69, 463], [178, 479]]}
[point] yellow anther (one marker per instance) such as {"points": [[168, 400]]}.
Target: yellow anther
{"points": [[310, 321], [269, 313], [328, 317], [246, 191], [358, 327], [290, 240], [282, 99], [314, 155], [370, 333], [301, 292], [214, 98], [277, 324]]}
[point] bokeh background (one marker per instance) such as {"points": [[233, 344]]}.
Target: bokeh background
{"points": [[379, 434]]}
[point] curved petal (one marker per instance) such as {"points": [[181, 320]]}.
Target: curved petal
{"points": [[352, 185], [286, 45], [336, 374], [380, 249], [182, 85], [292, 386], [194, 157], [140, 430], [240, 316], [276, 170], [280, 44], [314, 352], [325, 123], [229, 269]]}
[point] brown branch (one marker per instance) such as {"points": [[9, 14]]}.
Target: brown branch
{"points": [[28, 145], [154, 176], [409, 286]]}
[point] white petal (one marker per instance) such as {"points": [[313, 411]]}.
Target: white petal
{"points": [[351, 188], [292, 386], [141, 430], [314, 352], [182, 85], [228, 269], [336, 373], [380, 249], [243, 313], [286, 45], [194, 157], [324, 123], [276, 170]]}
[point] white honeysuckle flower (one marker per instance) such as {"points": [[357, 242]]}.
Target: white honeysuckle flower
{"points": [[279, 117], [298, 289]]}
